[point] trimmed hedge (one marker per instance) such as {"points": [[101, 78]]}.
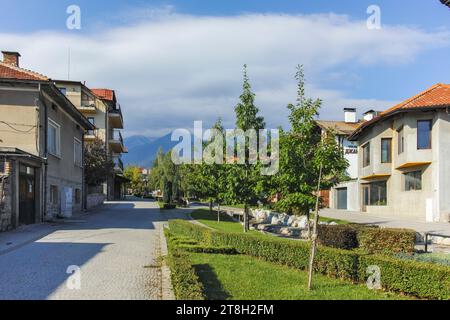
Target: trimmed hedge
{"points": [[421, 279], [166, 206], [207, 249], [386, 241], [340, 236]]}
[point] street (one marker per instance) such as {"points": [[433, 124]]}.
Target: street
{"points": [[116, 251]]}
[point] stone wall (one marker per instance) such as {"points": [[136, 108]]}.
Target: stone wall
{"points": [[95, 200], [5, 203]]}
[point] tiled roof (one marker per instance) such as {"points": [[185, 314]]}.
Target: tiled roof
{"points": [[435, 97], [105, 94], [11, 72], [340, 127]]}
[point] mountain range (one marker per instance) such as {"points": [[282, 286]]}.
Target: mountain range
{"points": [[142, 151]]}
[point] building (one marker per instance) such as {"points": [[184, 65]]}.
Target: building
{"points": [[41, 148], [404, 158], [101, 109], [344, 195]]}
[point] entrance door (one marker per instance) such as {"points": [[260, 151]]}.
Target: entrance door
{"points": [[342, 199], [27, 195], [366, 197]]}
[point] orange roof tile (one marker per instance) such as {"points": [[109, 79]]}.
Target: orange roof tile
{"points": [[435, 97], [105, 94], [11, 72]]}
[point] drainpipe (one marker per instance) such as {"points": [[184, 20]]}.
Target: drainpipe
{"points": [[83, 179], [45, 173]]}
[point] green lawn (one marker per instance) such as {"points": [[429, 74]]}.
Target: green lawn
{"points": [[227, 224], [241, 277], [328, 220]]}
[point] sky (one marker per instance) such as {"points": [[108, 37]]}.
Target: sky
{"points": [[176, 62]]}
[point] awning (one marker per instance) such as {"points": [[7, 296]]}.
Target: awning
{"points": [[413, 164], [376, 176]]}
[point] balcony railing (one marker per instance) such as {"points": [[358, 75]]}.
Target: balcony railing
{"points": [[117, 136], [118, 164], [116, 117]]}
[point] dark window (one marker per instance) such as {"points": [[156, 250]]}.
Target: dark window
{"points": [[91, 121], [77, 196], [366, 155], [2, 166], [63, 91], [401, 140], [413, 180], [386, 150], [378, 193], [424, 134]]}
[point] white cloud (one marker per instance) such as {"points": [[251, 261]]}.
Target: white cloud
{"points": [[172, 69]]}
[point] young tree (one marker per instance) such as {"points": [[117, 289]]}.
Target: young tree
{"points": [[134, 174], [244, 178], [303, 152], [97, 165]]}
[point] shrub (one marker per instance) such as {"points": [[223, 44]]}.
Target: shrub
{"points": [[166, 206], [185, 282], [421, 279], [206, 249], [340, 236], [386, 241], [417, 278]]}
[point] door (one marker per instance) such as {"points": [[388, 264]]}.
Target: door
{"points": [[366, 197], [342, 199], [27, 195]]}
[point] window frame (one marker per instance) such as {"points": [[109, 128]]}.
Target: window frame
{"points": [[57, 127], [401, 139], [366, 151], [389, 160], [430, 122], [415, 187]]}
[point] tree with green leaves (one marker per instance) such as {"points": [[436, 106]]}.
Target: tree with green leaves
{"points": [[243, 179], [134, 174], [97, 165], [304, 153]]}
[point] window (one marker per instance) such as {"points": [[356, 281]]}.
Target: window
{"points": [[77, 196], [413, 181], [54, 195], [54, 138], [386, 150], [91, 121], [366, 155], [378, 193], [2, 166], [77, 153], [401, 140], [424, 134], [63, 91]]}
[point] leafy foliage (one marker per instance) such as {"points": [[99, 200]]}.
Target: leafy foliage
{"points": [[97, 165]]}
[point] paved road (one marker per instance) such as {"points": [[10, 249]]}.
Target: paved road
{"points": [[116, 249]]}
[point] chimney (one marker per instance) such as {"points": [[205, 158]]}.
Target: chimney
{"points": [[369, 115], [350, 115], [11, 58]]}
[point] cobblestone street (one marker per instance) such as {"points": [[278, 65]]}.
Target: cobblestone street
{"points": [[116, 249]]}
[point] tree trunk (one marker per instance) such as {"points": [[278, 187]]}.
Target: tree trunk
{"points": [[218, 212], [308, 226], [314, 236], [245, 218]]}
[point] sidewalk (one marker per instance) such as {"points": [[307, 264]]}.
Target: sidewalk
{"points": [[440, 228]]}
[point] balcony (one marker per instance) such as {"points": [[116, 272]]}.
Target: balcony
{"points": [[91, 135], [115, 117], [88, 107], [116, 142], [118, 165]]}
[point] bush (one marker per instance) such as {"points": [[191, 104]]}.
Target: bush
{"points": [[386, 241], [421, 279], [185, 282], [166, 206], [340, 236], [207, 249], [416, 278]]}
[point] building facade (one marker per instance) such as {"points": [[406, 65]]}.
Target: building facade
{"points": [[102, 110], [403, 156], [41, 148]]}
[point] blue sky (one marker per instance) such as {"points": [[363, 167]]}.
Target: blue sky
{"points": [[410, 53]]}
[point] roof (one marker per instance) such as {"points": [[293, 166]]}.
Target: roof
{"points": [[339, 127], [104, 94], [12, 72], [14, 152], [435, 97]]}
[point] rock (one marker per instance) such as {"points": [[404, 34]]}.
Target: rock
{"points": [[285, 231], [302, 223], [263, 227], [276, 221], [333, 223], [304, 234], [291, 221]]}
